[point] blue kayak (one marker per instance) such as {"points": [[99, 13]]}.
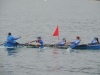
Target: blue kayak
{"points": [[82, 47], [93, 47]]}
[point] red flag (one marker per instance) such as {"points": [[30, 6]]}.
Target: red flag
{"points": [[56, 33]]}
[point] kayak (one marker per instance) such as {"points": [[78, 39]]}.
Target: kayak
{"points": [[82, 47], [7, 44], [89, 47]]}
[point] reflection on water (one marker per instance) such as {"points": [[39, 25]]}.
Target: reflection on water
{"points": [[56, 60], [11, 51], [30, 61]]}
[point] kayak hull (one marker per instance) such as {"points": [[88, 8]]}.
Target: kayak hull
{"points": [[81, 47], [89, 47]]}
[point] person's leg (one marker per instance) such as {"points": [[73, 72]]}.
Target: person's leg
{"points": [[38, 44]]}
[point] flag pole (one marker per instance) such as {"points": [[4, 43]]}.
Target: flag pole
{"points": [[58, 32]]}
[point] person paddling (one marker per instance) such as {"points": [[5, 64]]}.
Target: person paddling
{"points": [[76, 42], [94, 41], [39, 42], [62, 43], [12, 39]]}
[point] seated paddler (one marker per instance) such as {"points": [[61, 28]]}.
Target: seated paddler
{"points": [[76, 42], [94, 41], [39, 42], [12, 39], [61, 43]]}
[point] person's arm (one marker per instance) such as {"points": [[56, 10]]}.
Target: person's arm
{"points": [[33, 41], [15, 38]]}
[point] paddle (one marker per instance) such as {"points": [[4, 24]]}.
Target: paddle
{"points": [[28, 43], [1, 44], [33, 41]]}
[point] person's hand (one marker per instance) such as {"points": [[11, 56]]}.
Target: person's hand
{"points": [[19, 36], [88, 44], [31, 42]]}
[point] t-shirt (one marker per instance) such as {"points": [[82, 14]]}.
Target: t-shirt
{"points": [[75, 43], [93, 42], [61, 43], [41, 42]]}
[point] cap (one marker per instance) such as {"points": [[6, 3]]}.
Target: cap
{"points": [[64, 39], [95, 37], [38, 37]]}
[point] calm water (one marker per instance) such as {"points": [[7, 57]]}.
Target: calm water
{"points": [[31, 18], [28, 61]]}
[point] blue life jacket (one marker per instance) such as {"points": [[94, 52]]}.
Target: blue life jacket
{"points": [[11, 39]]}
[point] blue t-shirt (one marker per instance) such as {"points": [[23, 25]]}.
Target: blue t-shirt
{"points": [[11, 39], [93, 42], [75, 43], [41, 42], [61, 43]]}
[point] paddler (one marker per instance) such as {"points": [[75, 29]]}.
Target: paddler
{"points": [[61, 43], [76, 42], [94, 41], [39, 42], [12, 39]]}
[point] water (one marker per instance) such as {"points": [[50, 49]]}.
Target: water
{"points": [[30, 61], [32, 18]]}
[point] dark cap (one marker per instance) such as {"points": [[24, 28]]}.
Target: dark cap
{"points": [[9, 33]]}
